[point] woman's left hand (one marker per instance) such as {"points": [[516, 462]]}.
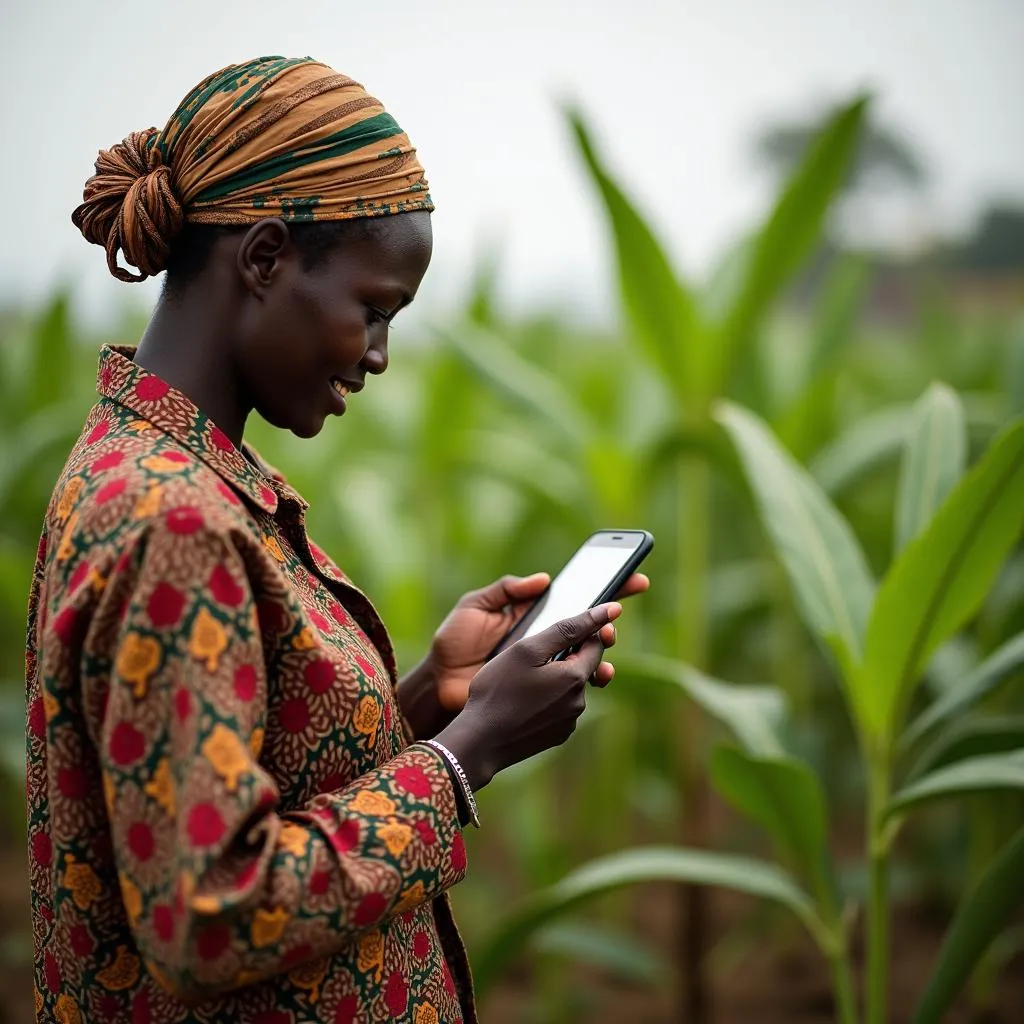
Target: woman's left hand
{"points": [[476, 624]]}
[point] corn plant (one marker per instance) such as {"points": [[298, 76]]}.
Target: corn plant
{"points": [[953, 530], [693, 346]]}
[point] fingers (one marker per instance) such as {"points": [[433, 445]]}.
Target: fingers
{"points": [[508, 590], [585, 662], [636, 584], [571, 632]]}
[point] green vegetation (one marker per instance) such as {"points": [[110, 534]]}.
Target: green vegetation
{"points": [[838, 505]]}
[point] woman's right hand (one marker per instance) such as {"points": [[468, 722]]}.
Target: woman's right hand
{"points": [[522, 703]]}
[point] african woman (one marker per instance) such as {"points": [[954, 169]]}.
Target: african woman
{"points": [[237, 811]]}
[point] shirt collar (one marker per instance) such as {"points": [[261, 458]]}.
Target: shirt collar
{"points": [[169, 410]]}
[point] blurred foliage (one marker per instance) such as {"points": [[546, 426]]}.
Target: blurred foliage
{"points": [[496, 443], [883, 154]]}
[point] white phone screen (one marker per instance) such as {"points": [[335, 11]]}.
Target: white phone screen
{"points": [[579, 585]]}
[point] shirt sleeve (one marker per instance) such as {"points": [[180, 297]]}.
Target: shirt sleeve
{"points": [[221, 888]]}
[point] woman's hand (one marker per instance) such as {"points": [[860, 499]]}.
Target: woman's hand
{"points": [[522, 703], [434, 692], [480, 619]]}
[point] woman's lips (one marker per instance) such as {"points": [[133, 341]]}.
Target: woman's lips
{"points": [[339, 393]]}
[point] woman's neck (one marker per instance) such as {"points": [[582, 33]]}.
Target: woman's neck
{"points": [[186, 344]]}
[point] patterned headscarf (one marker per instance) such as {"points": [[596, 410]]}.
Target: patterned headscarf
{"points": [[276, 136]]}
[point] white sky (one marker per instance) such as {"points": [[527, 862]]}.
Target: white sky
{"points": [[674, 90]]}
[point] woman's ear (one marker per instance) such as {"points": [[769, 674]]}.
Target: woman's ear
{"points": [[262, 253]]}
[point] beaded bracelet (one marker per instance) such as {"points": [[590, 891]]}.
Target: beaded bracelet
{"points": [[467, 792]]}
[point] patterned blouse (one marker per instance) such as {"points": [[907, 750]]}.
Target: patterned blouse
{"points": [[228, 819]]}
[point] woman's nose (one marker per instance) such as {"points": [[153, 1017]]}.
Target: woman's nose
{"points": [[376, 358]]}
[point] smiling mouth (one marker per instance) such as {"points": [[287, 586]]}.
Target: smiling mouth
{"points": [[342, 389]]}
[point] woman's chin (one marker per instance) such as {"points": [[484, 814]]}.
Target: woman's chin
{"points": [[301, 422], [308, 427]]}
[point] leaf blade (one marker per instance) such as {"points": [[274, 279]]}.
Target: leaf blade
{"points": [[993, 671], [644, 864], [979, 918], [661, 311], [970, 737], [526, 385], [784, 796], [933, 461], [869, 441], [973, 775], [941, 577], [754, 714], [794, 225], [825, 564]]}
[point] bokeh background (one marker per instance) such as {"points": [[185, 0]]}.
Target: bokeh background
{"points": [[530, 400]]}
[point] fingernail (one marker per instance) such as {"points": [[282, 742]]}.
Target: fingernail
{"points": [[614, 610]]}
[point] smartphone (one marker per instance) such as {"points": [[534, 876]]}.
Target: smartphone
{"points": [[592, 576]]}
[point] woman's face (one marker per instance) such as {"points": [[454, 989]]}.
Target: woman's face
{"points": [[307, 339]]}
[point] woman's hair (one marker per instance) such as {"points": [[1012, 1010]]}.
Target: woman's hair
{"points": [[274, 137]]}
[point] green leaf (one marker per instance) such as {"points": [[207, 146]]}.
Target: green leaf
{"points": [[941, 578], [837, 312], [12, 732], [754, 714], [722, 286], [737, 588], [51, 429], [870, 441], [1014, 372], [792, 230], [616, 952], [988, 676], [824, 562], [645, 864], [784, 796], [535, 391], [970, 737], [660, 310], [981, 915], [974, 775], [528, 467], [936, 451]]}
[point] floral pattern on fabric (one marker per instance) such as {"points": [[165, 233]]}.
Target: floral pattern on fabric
{"points": [[227, 820]]}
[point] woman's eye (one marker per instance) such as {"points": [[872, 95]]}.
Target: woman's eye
{"points": [[374, 315]]}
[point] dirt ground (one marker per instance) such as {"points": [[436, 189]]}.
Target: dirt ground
{"points": [[785, 982]]}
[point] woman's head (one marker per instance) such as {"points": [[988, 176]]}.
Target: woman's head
{"points": [[286, 203]]}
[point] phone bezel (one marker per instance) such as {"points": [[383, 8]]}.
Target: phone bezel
{"points": [[642, 550]]}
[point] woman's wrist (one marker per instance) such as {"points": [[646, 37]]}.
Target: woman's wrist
{"points": [[464, 800], [464, 738], [417, 700]]}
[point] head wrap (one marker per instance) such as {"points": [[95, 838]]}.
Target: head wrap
{"points": [[275, 137]]}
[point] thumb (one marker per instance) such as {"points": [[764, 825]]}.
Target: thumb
{"points": [[507, 590], [570, 632]]}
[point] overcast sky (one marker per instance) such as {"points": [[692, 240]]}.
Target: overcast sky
{"points": [[674, 89]]}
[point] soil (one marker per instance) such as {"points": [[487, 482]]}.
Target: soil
{"points": [[771, 975]]}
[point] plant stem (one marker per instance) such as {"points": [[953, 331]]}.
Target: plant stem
{"points": [[842, 987], [878, 890], [693, 541]]}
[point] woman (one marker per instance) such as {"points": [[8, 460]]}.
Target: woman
{"points": [[237, 813]]}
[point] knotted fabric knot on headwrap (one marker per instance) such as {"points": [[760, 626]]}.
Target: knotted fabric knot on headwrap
{"points": [[130, 205], [276, 136]]}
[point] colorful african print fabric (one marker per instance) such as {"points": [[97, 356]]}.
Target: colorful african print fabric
{"points": [[228, 821], [288, 137]]}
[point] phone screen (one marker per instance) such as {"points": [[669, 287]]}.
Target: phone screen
{"points": [[580, 585]]}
